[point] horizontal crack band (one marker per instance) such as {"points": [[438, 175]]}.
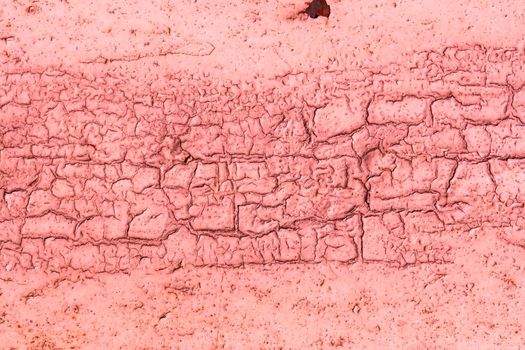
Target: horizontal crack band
{"points": [[96, 174]]}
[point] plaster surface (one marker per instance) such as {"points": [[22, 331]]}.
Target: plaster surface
{"points": [[214, 175]]}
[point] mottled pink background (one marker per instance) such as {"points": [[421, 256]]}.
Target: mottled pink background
{"points": [[213, 175]]}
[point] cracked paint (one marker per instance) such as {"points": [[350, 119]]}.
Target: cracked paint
{"points": [[166, 182]]}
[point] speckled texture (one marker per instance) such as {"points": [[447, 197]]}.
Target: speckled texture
{"points": [[204, 175]]}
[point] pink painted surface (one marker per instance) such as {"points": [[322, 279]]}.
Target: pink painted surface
{"points": [[213, 175]]}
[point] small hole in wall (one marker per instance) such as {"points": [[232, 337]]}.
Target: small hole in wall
{"points": [[318, 8]]}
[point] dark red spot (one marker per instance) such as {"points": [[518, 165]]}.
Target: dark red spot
{"points": [[318, 8]]}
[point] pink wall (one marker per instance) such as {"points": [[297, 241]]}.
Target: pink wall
{"points": [[205, 175]]}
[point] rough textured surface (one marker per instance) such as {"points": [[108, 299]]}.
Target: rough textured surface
{"points": [[213, 182]]}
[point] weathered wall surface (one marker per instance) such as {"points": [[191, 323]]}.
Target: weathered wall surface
{"points": [[195, 177], [100, 176]]}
